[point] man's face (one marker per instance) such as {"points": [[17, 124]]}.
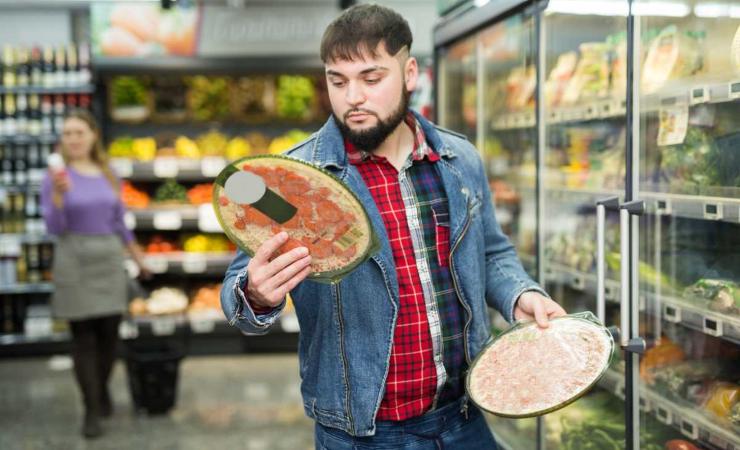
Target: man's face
{"points": [[369, 96]]}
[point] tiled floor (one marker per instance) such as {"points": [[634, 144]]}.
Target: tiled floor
{"points": [[240, 402]]}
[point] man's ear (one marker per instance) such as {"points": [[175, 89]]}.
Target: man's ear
{"points": [[411, 73]]}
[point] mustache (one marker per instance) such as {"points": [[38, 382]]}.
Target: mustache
{"points": [[355, 111]]}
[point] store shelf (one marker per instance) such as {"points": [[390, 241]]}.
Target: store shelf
{"points": [[176, 64], [22, 139], [163, 168], [81, 89], [596, 110], [693, 206], [26, 238], [190, 263], [686, 419], [201, 218], [671, 308], [693, 92], [27, 288], [210, 322], [22, 339]]}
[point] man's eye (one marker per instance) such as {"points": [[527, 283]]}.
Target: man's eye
{"points": [[372, 80], [337, 83]]}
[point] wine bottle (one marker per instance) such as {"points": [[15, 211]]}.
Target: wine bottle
{"points": [[22, 70], [10, 116], [22, 113], [36, 66], [59, 109], [8, 66], [34, 115], [84, 63], [73, 69], [60, 74], [47, 126], [48, 67]]}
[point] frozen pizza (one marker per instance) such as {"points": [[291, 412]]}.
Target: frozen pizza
{"points": [[315, 208], [529, 371]]}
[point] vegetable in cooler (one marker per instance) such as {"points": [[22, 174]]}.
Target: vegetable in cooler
{"points": [[722, 295]]}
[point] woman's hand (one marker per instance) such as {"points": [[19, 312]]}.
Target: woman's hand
{"points": [[60, 182]]}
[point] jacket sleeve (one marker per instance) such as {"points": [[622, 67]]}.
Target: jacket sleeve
{"points": [[506, 279], [234, 302]]}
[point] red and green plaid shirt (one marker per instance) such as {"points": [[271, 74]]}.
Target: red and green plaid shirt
{"points": [[428, 356]]}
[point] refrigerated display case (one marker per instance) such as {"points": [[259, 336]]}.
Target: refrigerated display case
{"points": [[633, 106]]}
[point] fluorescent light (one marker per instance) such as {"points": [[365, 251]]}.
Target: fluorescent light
{"points": [[712, 10], [661, 9], [588, 7], [480, 3]]}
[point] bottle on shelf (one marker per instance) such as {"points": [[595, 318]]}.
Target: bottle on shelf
{"points": [[60, 74], [2, 115], [8, 67], [22, 113], [33, 262], [85, 101], [35, 168], [47, 257], [73, 69], [19, 210], [36, 67], [22, 69], [83, 60], [7, 172], [10, 115], [21, 267], [47, 119], [9, 253], [19, 165], [59, 109], [34, 115], [48, 67]]}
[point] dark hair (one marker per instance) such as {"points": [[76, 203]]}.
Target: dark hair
{"points": [[362, 28]]}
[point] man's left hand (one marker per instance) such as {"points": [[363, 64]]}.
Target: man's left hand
{"points": [[533, 305]]}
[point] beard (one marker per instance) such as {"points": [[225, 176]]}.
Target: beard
{"points": [[370, 139]]}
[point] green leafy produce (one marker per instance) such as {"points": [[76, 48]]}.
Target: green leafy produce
{"points": [[208, 97], [121, 147], [128, 91], [723, 295], [648, 274], [171, 192], [295, 96]]}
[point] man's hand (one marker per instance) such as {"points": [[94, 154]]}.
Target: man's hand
{"points": [[533, 305], [269, 281]]}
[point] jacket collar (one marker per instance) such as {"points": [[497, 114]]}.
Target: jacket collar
{"points": [[328, 148]]}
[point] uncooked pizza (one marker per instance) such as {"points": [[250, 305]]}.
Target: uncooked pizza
{"points": [[323, 215], [529, 371]]}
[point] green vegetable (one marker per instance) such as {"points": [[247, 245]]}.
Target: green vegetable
{"points": [[128, 91], [208, 97], [648, 274], [171, 191], [724, 295], [295, 96]]}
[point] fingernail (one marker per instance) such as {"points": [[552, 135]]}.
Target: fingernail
{"points": [[283, 235], [302, 251]]}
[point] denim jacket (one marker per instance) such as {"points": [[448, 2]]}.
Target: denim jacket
{"points": [[346, 329]]}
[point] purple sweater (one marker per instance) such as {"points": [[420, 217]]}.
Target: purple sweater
{"points": [[91, 206]]}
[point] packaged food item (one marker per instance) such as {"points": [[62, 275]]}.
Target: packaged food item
{"points": [[528, 371], [736, 50], [559, 78], [723, 397], [520, 87], [257, 197], [723, 295], [591, 78], [672, 54], [666, 353]]}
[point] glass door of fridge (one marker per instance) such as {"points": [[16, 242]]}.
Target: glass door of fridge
{"points": [[687, 172], [458, 87]]}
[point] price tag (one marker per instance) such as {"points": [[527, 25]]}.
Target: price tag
{"points": [[165, 167], [194, 263], [699, 95], [289, 322], [202, 326], [123, 167], [689, 429], [674, 123], [129, 219], [664, 415], [645, 404], [713, 211], [167, 220], [211, 166], [157, 264], [608, 293], [672, 313], [127, 329], [163, 326], [734, 90], [663, 207], [207, 220], [606, 109], [712, 327], [578, 283]]}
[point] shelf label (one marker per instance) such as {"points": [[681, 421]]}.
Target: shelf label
{"points": [[163, 326], [734, 90], [672, 313], [202, 326], [129, 219], [674, 123], [289, 322], [619, 389], [578, 283], [699, 95], [663, 207], [590, 112], [712, 327], [713, 211], [664, 415], [207, 220], [211, 166], [157, 264], [167, 220], [609, 293], [645, 404], [194, 263], [165, 167], [689, 430], [123, 167], [127, 329]]}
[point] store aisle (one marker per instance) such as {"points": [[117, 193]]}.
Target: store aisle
{"points": [[241, 402]]}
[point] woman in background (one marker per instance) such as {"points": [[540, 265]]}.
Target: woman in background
{"points": [[81, 206]]}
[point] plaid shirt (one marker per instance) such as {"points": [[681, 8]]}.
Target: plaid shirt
{"points": [[427, 359]]}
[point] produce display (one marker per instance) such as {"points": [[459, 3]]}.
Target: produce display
{"points": [[133, 198], [287, 141], [171, 192], [327, 219], [296, 95], [203, 243], [129, 99], [528, 371], [200, 194], [159, 244], [212, 143], [208, 97], [206, 298], [165, 300], [253, 98], [720, 295]]}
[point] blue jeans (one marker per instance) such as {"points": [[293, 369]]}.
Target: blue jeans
{"points": [[446, 428]]}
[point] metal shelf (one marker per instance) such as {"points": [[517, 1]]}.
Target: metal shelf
{"points": [[27, 288], [686, 419], [22, 139], [163, 168], [81, 89], [175, 218], [182, 263], [167, 325], [725, 209], [21, 339], [176, 64]]}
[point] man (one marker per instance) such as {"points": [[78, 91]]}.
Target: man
{"points": [[383, 353]]}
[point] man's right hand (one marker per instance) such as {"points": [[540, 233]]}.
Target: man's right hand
{"points": [[60, 182], [268, 282]]}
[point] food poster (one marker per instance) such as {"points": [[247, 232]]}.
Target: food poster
{"points": [[143, 29]]}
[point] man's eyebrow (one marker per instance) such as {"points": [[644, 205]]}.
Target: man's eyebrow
{"points": [[363, 72]]}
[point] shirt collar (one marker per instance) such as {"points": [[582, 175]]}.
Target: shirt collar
{"points": [[422, 150]]}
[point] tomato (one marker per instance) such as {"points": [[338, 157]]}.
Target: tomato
{"points": [[679, 444]]}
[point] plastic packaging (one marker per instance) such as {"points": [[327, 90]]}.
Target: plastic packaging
{"points": [[257, 197], [527, 371]]}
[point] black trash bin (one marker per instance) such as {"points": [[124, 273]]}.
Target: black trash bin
{"points": [[152, 376]]}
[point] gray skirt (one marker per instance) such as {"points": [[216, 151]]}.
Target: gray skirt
{"points": [[89, 277]]}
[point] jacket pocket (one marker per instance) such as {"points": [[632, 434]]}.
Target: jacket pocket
{"points": [[442, 234]]}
